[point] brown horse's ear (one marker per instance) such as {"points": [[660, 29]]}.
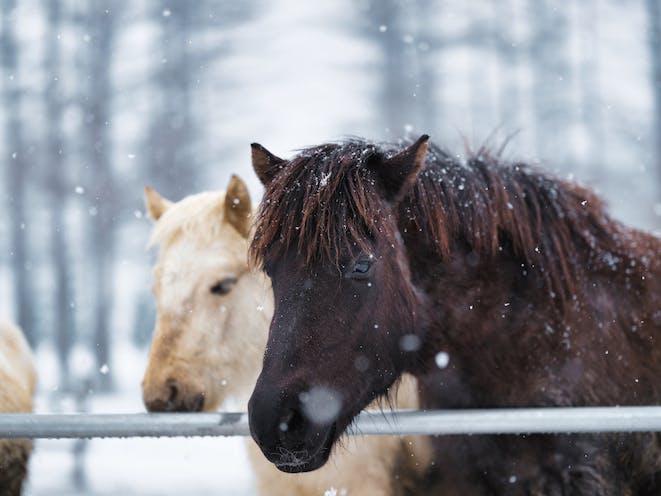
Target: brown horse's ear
{"points": [[156, 204], [398, 173], [266, 164], [238, 211]]}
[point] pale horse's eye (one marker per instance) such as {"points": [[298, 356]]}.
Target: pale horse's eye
{"points": [[223, 286]]}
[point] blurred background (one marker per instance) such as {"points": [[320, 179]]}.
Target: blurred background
{"points": [[99, 98]]}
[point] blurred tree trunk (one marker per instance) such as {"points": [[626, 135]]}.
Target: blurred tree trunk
{"points": [[399, 78], [589, 109], [548, 56], [654, 19], [100, 22], [15, 150], [507, 46], [428, 108], [172, 165], [57, 174]]}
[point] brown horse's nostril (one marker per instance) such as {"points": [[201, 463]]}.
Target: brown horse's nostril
{"points": [[291, 422]]}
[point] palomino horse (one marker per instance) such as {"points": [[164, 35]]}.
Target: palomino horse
{"points": [[493, 283], [211, 329], [18, 377]]}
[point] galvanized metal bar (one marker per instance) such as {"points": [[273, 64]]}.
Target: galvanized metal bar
{"points": [[411, 422], [89, 425], [514, 421]]}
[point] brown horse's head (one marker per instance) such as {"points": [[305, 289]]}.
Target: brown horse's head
{"points": [[347, 316], [212, 310]]}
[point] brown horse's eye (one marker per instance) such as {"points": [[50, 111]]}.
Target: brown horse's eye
{"points": [[223, 287], [361, 269]]}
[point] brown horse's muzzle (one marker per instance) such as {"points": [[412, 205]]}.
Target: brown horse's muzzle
{"points": [[287, 434]]}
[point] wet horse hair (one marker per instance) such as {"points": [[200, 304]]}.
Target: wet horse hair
{"points": [[557, 228]]}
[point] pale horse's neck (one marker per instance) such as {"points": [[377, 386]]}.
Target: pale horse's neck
{"points": [[251, 320]]}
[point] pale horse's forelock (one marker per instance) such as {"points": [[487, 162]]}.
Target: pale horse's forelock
{"points": [[198, 216], [188, 235]]}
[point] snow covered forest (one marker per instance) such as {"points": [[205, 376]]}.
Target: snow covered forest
{"points": [[102, 97]]}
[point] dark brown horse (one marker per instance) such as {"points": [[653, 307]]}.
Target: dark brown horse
{"points": [[495, 284]]}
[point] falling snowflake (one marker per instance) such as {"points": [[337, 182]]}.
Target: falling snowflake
{"points": [[442, 359], [321, 405]]}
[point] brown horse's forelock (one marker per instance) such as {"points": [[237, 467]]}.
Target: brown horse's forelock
{"points": [[324, 203], [327, 200]]}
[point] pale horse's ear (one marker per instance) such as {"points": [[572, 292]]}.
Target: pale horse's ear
{"points": [[266, 164], [238, 210], [156, 204], [399, 172]]}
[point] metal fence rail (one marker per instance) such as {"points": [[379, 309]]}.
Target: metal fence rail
{"points": [[439, 422]]}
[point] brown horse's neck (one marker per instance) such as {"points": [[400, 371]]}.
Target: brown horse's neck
{"points": [[537, 301], [463, 292]]}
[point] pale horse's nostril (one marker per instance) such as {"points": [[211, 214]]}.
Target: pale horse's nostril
{"points": [[198, 405], [174, 391]]}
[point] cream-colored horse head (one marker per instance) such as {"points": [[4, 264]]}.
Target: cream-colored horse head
{"points": [[213, 311]]}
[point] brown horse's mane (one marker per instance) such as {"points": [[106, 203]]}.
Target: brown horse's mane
{"points": [[329, 198]]}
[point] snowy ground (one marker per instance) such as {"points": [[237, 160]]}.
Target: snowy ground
{"points": [[126, 467], [143, 467]]}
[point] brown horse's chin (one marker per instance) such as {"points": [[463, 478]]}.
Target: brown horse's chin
{"points": [[316, 461]]}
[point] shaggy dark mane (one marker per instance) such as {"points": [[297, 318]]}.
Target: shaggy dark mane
{"points": [[558, 228], [329, 198], [325, 200]]}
